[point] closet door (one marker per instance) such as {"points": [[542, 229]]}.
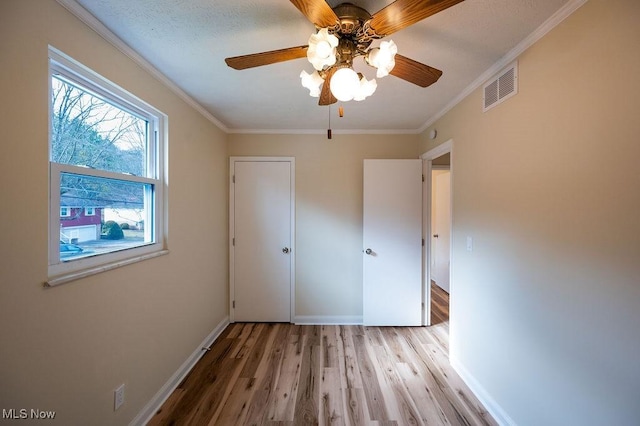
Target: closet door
{"points": [[261, 240]]}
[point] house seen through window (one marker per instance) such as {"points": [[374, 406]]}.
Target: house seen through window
{"points": [[105, 170]]}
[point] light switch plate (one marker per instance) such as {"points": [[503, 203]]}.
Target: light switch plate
{"points": [[118, 397]]}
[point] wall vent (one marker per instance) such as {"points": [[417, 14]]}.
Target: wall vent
{"points": [[501, 88]]}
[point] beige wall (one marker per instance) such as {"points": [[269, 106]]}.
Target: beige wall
{"points": [[328, 213], [545, 309], [67, 348]]}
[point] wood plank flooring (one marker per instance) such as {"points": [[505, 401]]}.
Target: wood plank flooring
{"points": [[439, 304], [284, 374]]}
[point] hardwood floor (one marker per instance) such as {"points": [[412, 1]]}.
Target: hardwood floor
{"points": [[439, 304], [285, 374]]}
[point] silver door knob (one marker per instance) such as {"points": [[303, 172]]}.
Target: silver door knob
{"points": [[285, 250], [368, 251]]}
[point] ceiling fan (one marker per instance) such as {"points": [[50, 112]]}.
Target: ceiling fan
{"points": [[346, 32]]}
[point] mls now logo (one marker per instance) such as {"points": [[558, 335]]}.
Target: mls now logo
{"points": [[23, 413]]}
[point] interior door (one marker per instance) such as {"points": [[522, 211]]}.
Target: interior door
{"points": [[442, 227], [261, 241], [392, 258]]}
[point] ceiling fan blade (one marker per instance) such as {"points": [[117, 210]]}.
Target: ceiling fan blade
{"points": [[266, 58], [317, 11], [402, 13], [415, 72], [326, 97]]}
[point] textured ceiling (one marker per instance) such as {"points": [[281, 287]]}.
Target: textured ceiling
{"points": [[187, 40]]}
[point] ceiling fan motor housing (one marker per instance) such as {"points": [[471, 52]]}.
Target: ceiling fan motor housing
{"points": [[351, 17], [352, 23]]}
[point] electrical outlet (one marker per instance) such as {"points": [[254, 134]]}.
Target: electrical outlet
{"points": [[118, 397]]}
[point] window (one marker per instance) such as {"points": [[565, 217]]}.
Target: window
{"points": [[106, 161]]}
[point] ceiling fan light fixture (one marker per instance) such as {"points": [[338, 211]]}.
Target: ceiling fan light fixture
{"points": [[322, 49], [344, 33], [366, 89], [383, 58], [345, 84], [312, 81]]}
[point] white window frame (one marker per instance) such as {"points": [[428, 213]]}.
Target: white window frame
{"points": [[60, 272], [89, 211], [67, 210]]}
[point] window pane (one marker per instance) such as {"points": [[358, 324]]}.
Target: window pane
{"points": [[88, 131], [122, 216]]}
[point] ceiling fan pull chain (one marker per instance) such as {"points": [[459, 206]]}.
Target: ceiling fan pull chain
{"points": [[329, 129]]}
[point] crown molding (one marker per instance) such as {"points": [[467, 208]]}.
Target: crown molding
{"points": [[324, 131], [556, 19], [92, 22], [81, 13]]}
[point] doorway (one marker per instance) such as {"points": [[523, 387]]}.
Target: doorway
{"points": [[440, 238], [437, 213]]}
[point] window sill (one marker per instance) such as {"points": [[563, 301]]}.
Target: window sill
{"points": [[73, 276]]}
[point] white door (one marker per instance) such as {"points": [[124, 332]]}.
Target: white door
{"points": [[261, 241], [441, 227], [392, 208]]}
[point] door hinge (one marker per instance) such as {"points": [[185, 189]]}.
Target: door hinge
{"points": [[423, 178], [233, 178], [423, 242], [233, 304], [233, 242]]}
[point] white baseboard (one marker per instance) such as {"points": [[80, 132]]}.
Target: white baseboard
{"points": [[496, 411], [165, 391], [328, 320]]}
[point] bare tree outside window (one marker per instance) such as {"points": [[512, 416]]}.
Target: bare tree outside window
{"points": [[90, 132]]}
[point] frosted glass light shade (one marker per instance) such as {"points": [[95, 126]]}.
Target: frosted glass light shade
{"points": [[322, 49], [345, 84], [312, 82], [383, 58], [366, 88]]}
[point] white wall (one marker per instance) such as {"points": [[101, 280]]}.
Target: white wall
{"points": [[67, 348], [545, 310]]}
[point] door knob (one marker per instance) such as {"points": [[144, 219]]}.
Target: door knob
{"points": [[285, 250], [436, 236], [368, 251]]}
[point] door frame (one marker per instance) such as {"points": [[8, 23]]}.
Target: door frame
{"points": [[427, 167], [292, 163]]}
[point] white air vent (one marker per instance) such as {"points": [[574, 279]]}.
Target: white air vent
{"points": [[501, 88]]}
